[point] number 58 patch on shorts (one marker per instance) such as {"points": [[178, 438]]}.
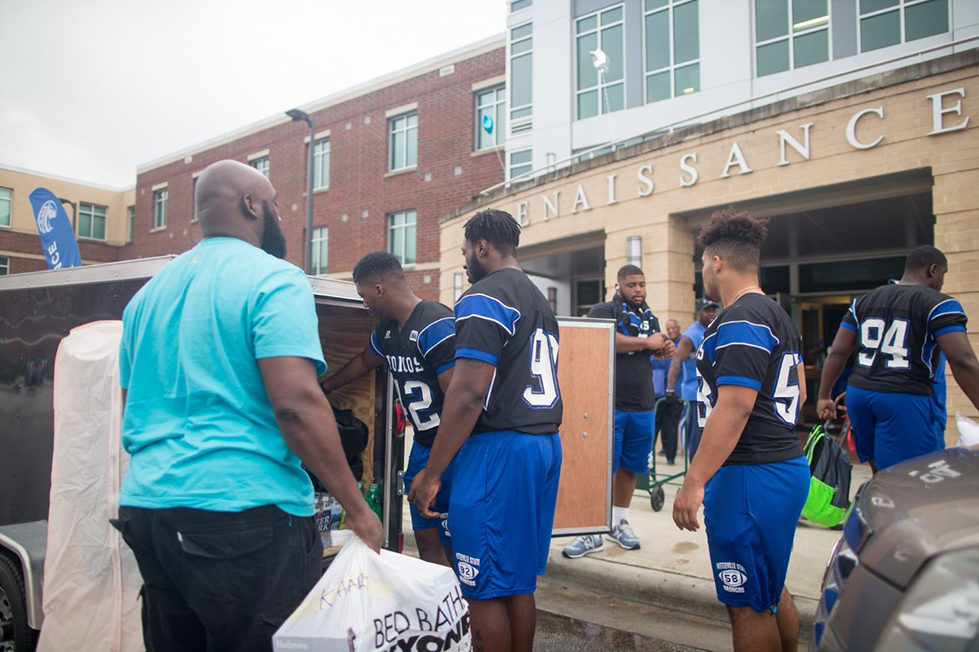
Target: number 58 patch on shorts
{"points": [[732, 576]]}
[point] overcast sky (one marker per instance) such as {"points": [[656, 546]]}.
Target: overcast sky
{"points": [[90, 89]]}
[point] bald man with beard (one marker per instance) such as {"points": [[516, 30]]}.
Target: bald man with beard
{"points": [[219, 362]]}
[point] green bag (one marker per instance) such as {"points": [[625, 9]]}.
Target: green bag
{"points": [[829, 488]]}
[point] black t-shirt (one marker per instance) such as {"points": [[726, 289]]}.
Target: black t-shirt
{"points": [[416, 357], [753, 343], [633, 371], [898, 327], [505, 320]]}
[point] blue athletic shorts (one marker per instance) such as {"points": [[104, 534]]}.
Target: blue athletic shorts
{"points": [[418, 460], [892, 428], [501, 513], [633, 441], [751, 513]]}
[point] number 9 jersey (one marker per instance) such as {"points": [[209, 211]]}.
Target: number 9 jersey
{"points": [[898, 327], [753, 343], [504, 320]]}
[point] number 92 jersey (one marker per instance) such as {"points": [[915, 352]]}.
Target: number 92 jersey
{"points": [[504, 320], [416, 356], [898, 327], [753, 343]]}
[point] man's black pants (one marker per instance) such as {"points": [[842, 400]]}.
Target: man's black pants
{"points": [[220, 581], [668, 417]]}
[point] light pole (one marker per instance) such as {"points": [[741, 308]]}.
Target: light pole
{"points": [[301, 116]]}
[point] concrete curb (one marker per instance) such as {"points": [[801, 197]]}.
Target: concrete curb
{"points": [[695, 596], [686, 594]]}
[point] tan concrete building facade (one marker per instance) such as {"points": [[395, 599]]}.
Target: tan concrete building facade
{"points": [[852, 177], [20, 247]]}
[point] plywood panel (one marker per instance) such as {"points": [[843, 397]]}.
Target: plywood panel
{"points": [[584, 376], [345, 332]]}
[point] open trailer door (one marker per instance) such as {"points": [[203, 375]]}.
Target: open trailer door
{"points": [[586, 374]]}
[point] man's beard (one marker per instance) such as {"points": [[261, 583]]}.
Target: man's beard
{"points": [[273, 241], [474, 269]]}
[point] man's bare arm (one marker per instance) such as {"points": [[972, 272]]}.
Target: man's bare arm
{"points": [[306, 422]]}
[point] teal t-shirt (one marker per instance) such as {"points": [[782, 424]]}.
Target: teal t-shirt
{"points": [[198, 422]]}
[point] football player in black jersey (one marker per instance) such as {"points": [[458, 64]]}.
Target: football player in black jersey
{"points": [[501, 415], [749, 472], [417, 341], [637, 335], [901, 330]]}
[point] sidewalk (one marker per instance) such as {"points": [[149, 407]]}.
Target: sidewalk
{"points": [[671, 572]]}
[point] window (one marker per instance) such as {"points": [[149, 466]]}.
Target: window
{"points": [[4, 266], [321, 241], [457, 285], [261, 164], [6, 205], [401, 236], [521, 162], [600, 92], [790, 34], [517, 5], [521, 77], [671, 30], [889, 22], [321, 164], [91, 221], [131, 219], [404, 141], [491, 103], [160, 208]]}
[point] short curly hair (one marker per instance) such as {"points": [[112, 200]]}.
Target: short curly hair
{"points": [[377, 266], [736, 237], [496, 227]]}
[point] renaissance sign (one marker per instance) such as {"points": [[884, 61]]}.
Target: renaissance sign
{"points": [[946, 117]]}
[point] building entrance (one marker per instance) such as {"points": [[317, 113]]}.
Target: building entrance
{"points": [[570, 272], [828, 248]]}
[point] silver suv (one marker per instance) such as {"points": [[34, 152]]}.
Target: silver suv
{"points": [[905, 574]]}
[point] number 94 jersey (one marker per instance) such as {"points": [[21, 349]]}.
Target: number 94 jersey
{"points": [[898, 327], [416, 356], [753, 343]]}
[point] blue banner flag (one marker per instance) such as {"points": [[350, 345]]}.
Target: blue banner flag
{"points": [[56, 231]]}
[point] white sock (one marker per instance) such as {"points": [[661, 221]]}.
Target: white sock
{"points": [[619, 514]]}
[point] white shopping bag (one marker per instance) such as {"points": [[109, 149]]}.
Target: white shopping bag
{"points": [[367, 601], [968, 430]]}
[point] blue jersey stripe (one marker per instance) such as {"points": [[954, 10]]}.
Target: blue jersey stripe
{"points": [[950, 329], [740, 381], [435, 333], [483, 306], [947, 307], [848, 326], [374, 345], [476, 354], [746, 333]]}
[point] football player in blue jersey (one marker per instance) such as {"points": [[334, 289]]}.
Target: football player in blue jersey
{"points": [[749, 472], [417, 341], [895, 397], [502, 413]]}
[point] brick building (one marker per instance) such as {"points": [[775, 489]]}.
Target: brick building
{"points": [[391, 157], [100, 214]]}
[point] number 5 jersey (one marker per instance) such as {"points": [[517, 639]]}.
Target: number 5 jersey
{"points": [[416, 356], [898, 327], [753, 343], [504, 320]]}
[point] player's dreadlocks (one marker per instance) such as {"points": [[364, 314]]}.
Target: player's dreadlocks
{"points": [[377, 266], [736, 237], [496, 227]]}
